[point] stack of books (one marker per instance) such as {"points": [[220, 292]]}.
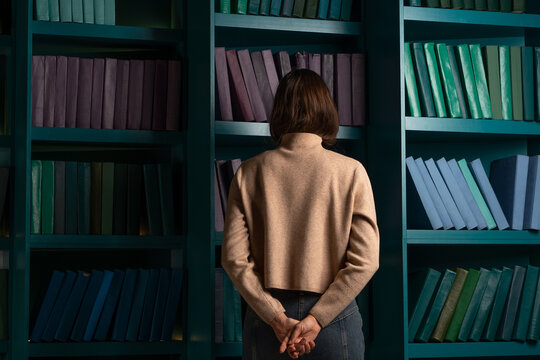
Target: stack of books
{"points": [[117, 305], [517, 6], [101, 198], [475, 305], [224, 171], [228, 309], [247, 82], [77, 11], [107, 93], [470, 81]]}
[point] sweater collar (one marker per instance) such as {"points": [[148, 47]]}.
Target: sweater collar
{"points": [[301, 140]]}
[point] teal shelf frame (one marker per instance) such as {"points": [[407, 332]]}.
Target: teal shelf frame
{"points": [[471, 350], [472, 126], [106, 349], [228, 349], [105, 242], [472, 237]]}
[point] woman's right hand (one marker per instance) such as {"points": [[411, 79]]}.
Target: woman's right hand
{"points": [[283, 327]]}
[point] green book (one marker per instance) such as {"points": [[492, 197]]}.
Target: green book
{"points": [[298, 9], [311, 9], [422, 285], [462, 305], [467, 77], [110, 12], [65, 11], [424, 87], [228, 309], [458, 4], [506, 82], [498, 305], [4, 304], [84, 180], [239, 6], [527, 64], [491, 56], [410, 83], [485, 305], [468, 4], [224, 6], [237, 316], [433, 3], [449, 86], [253, 7], [107, 202], [526, 303], [435, 80], [481, 81], [474, 305], [480, 5], [478, 197], [42, 10], [47, 197], [88, 11], [96, 170], [264, 8], [517, 84], [436, 307], [54, 10], [71, 198], [534, 327], [506, 5], [493, 5], [77, 11], [415, 3], [99, 11], [519, 6], [446, 4], [35, 226], [537, 69]]}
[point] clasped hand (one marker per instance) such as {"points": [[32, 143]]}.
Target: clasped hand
{"points": [[296, 337]]}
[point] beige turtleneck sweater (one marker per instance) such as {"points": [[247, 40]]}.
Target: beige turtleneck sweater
{"points": [[300, 217]]}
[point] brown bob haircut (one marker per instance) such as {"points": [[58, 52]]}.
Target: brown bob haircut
{"points": [[303, 104]]}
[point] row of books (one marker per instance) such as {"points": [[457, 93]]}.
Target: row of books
{"points": [[106, 93], [517, 6], [224, 171], [77, 11], [117, 305], [101, 198], [475, 305], [247, 82], [456, 194], [470, 81], [320, 9], [228, 309]]}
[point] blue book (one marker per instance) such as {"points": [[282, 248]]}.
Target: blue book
{"points": [[508, 178], [322, 12], [286, 9], [96, 278], [275, 7], [59, 305], [98, 305], [72, 306], [124, 306], [137, 307], [418, 200], [264, 8], [57, 278], [159, 307], [148, 308], [489, 195], [173, 301], [334, 12], [531, 218], [467, 194], [527, 66], [434, 194], [456, 193], [448, 202], [109, 307]]}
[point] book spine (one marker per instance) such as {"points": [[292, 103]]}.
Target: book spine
{"points": [[35, 225], [253, 7], [287, 8], [528, 82], [121, 97], [148, 94], [310, 11], [120, 199], [71, 198], [491, 54], [88, 11], [77, 11], [134, 199], [506, 82], [264, 8], [358, 85], [343, 89], [346, 9], [47, 197], [433, 3], [327, 72], [99, 12], [446, 4], [480, 5], [518, 6], [239, 94], [160, 96], [60, 92], [435, 79], [96, 171], [96, 115], [54, 10], [506, 5], [153, 206], [59, 197], [224, 6], [493, 5], [38, 89], [83, 195], [457, 4], [84, 94], [107, 198], [469, 4], [322, 12], [172, 116], [135, 94], [250, 81], [419, 59], [517, 82], [467, 77], [275, 7], [110, 12], [49, 96], [410, 83], [65, 11], [485, 305], [240, 6], [449, 87], [481, 82], [457, 82], [262, 81], [109, 93], [334, 11], [42, 10]]}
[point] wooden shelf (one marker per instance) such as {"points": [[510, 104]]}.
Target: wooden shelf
{"points": [[471, 350], [472, 237], [105, 349], [105, 242], [232, 349]]}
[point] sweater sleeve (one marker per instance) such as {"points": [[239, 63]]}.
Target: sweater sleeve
{"points": [[362, 255], [238, 263]]}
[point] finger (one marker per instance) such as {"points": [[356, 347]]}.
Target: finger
{"points": [[295, 334], [312, 344], [283, 345]]}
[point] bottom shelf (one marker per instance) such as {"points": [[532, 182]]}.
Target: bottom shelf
{"points": [[229, 349], [106, 349], [469, 350]]}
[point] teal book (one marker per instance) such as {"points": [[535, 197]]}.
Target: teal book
{"points": [[334, 12], [446, 4], [88, 301], [109, 306], [153, 205], [537, 85], [72, 306], [525, 304], [506, 82], [322, 12], [88, 11], [110, 12], [161, 302], [166, 199], [449, 86], [59, 306], [47, 197], [35, 225], [462, 305], [469, 4], [527, 65], [107, 198], [498, 305], [71, 198], [298, 8], [457, 4], [42, 10], [493, 5], [275, 7], [435, 79], [480, 5], [54, 10], [99, 12], [264, 8], [410, 83], [467, 78], [65, 11], [457, 81], [310, 11], [57, 278], [171, 307], [424, 86], [422, 285], [148, 307], [83, 197], [237, 316], [135, 314], [517, 83], [533, 333], [506, 5], [125, 302], [474, 305], [485, 305], [77, 11], [346, 8], [415, 3], [491, 58], [253, 7], [97, 307], [228, 309], [224, 6], [481, 81], [239, 6]]}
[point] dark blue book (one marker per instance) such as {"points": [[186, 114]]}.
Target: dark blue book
{"points": [[137, 307], [434, 194], [275, 7], [508, 178], [166, 199], [527, 66], [508, 320], [173, 301], [148, 308], [264, 8], [322, 12], [153, 205], [72, 306], [334, 12], [98, 305], [59, 305], [287, 7], [467, 194], [159, 307], [71, 198], [83, 197], [109, 308], [456, 193], [531, 218], [96, 278], [489, 195], [57, 278], [124, 306], [448, 202]]}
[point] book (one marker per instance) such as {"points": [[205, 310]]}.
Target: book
{"points": [[262, 82], [153, 206], [498, 305], [135, 94], [457, 81], [222, 85], [42, 10], [537, 85], [38, 89], [300, 60], [435, 80], [516, 82], [77, 11], [224, 6], [433, 3], [434, 194], [60, 92], [84, 94], [310, 10], [358, 89], [228, 309], [467, 78], [109, 93], [164, 173], [159, 112], [125, 301], [107, 198], [219, 219], [99, 12], [314, 64], [462, 305], [298, 8], [481, 81], [72, 306], [120, 198], [49, 95], [98, 305], [271, 71], [410, 83], [508, 320], [493, 5], [506, 5], [480, 5], [148, 94], [506, 82], [253, 7], [485, 305], [55, 283], [334, 11], [523, 316], [35, 225], [239, 6], [531, 216], [171, 307], [264, 7], [415, 3], [448, 85], [275, 7], [96, 115], [343, 88], [518, 6], [148, 305], [424, 86], [65, 11], [88, 301], [283, 63], [47, 197], [237, 303], [110, 12], [457, 4], [121, 96], [287, 7], [474, 305], [252, 88], [346, 9], [242, 109], [88, 11], [527, 66], [469, 4], [534, 330], [491, 56], [422, 287], [72, 220], [59, 306], [72, 87], [327, 72], [83, 197], [174, 73], [160, 304], [445, 4], [322, 12], [135, 314], [134, 199], [96, 197], [110, 305], [218, 305]]}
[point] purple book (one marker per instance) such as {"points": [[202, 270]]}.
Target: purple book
{"points": [[174, 85], [283, 63], [84, 95], [343, 88], [60, 97], [49, 97], [251, 85], [160, 96], [135, 94], [121, 98], [271, 70], [327, 72], [222, 84], [38, 89], [300, 61], [314, 63], [239, 96], [262, 81], [148, 94], [109, 92], [358, 78], [71, 91], [97, 93]]}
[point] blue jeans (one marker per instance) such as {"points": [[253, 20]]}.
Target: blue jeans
{"points": [[342, 339]]}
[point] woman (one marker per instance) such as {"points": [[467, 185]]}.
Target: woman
{"points": [[301, 239]]}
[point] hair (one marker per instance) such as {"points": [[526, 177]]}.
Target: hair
{"points": [[303, 104]]}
